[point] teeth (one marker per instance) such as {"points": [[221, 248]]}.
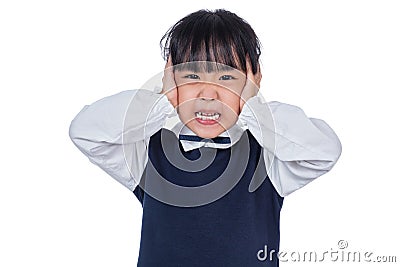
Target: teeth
{"points": [[207, 116]]}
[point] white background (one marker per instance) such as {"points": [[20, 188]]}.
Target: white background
{"points": [[338, 60]]}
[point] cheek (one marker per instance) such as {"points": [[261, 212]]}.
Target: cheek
{"points": [[186, 98], [232, 100], [234, 90], [186, 92], [233, 108]]}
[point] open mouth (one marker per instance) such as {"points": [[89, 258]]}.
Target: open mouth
{"points": [[207, 117]]}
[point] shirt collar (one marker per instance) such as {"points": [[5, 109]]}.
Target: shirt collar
{"points": [[235, 132]]}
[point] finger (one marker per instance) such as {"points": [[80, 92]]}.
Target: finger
{"points": [[168, 78], [249, 73], [254, 78], [169, 62], [241, 104], [258, 76], [168, 67], [248, 67]]}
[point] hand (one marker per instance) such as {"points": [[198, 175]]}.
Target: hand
{"points": [[169, 84], [252, 85]]}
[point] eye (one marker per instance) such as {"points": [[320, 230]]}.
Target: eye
{"points": [[227, 77], [192, 76]]}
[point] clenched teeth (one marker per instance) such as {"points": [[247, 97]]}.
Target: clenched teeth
{"points": [[207, 116]]}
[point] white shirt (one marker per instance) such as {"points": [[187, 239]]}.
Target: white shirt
{"points": [[114, 133]]}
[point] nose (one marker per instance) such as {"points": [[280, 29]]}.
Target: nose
{"points": [[208, 92]]}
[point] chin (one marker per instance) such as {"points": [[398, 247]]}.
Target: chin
{"points": [[207, 131]]}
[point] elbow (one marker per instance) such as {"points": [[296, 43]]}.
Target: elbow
{"points": [[335, 150], [72, 132], [329, 144], [334, 154], [74, 127], [324, 160], [74, 135], [338, 150], [330, 158], [76, 130]]}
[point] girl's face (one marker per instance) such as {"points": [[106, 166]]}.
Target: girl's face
{"points": [[209, 102]]}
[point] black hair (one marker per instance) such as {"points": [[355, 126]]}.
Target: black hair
{"points": [[218, 36]]}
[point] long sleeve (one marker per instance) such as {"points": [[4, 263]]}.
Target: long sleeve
{"points": [[114, 132], [296, 149]]}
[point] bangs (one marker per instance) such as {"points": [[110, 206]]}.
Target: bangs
{"points": [[203, 66], [205, 36]]}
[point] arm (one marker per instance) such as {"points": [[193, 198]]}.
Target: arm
{"points": [[114, 132], [297, 149]]}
